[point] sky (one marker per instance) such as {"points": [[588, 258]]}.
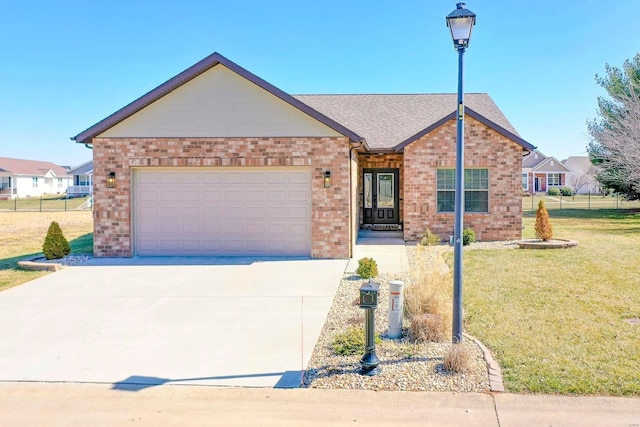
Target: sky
{"points": [[65, 65]]}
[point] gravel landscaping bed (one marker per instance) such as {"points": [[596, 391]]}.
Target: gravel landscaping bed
{"points": [[405, 365], [66, 261]]}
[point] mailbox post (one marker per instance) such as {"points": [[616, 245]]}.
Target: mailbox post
{"points": [[369, 302]]}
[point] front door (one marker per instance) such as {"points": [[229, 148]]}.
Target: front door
{"points": [[380, 196]]}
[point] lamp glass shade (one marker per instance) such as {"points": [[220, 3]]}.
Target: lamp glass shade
{"points": [[111, 180], [461, 22]]}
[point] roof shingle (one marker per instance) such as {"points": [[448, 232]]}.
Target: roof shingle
{"points": [[388, 120]]}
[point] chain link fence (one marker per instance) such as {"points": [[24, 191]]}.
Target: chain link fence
{"points": [[579, 201], [47, 203]]}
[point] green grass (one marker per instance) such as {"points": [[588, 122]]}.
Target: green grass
{"points": [[24, 233], [48, 202], [555, 319]]}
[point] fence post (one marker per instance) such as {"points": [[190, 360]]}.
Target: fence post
{"points": [[589, 206], [560, 201], [15, 204], [65, 203], [533, 195], [618, 201], [40, 203]]}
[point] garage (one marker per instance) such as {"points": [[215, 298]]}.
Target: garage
{"points": [[222, 211]]}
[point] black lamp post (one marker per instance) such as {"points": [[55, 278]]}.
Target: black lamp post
{"points": [[460, 22]]}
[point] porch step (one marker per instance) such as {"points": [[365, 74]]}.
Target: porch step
{"points": [[380, 234]]}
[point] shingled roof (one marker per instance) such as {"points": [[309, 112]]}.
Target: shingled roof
{"points": [[14, 167], [390, 122]]}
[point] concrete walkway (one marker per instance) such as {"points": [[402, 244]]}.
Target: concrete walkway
{"points": [[65, 404], [389, 253]]}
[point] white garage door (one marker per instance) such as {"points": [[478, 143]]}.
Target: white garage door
{"points": [[222, 211]]}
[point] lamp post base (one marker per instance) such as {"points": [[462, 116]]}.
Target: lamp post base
{"points": [[370, 371]]}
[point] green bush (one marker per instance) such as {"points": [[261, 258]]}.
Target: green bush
{"points": [[367, 268], [351, 342], [566, 191], [468, 236], [553, 191], [55, 244], [429, 239]]}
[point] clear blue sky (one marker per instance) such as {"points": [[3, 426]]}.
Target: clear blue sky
{"points": [[65, 65]]}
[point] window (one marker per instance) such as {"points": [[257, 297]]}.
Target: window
{"points": [[525, 181], [5, 182], [59, 182], [476, 190], [553, 179], [34, 182]]}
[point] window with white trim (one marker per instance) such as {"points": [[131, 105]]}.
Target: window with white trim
{"points": [[476, 190], [553, 179], [525, 181], [34, 182]]}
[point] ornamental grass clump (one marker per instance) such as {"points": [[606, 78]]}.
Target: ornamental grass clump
{"points": [[427, 303], [55, 244], [544, 230], [457, 358], [429, 239]]}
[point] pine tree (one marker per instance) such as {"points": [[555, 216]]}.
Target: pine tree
{"points": [[544, 230], [55, 244]]}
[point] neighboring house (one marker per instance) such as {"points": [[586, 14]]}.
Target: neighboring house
{"points": [[217, 161], [582, 175], [539, 173], [81, 180], [27, 178]]}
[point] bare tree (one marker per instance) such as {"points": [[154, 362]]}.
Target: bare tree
{"points": [[577, 180], [616, 132]]}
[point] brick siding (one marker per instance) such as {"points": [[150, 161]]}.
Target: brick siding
{"points": [[330, 211], [484, 148]]}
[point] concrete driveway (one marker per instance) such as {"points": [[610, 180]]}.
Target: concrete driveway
{"points": [[146, 321]]}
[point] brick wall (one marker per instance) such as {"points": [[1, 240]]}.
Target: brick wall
{"points": [[484, 148], [330, 206]]}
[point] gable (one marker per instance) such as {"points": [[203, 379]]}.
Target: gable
{"points": [[219, 103], [551, 165]]}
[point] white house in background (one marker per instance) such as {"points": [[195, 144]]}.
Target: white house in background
{"points": [[582, 175], [28, 178], [81, 180]]}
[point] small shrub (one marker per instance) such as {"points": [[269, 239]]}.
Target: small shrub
{"points": [[429, 239], [367, 268], [468, 236], [544, 230], [553, 191], [55, 244], [456, 359], [351, 342], [566, 191], [427, 328]]}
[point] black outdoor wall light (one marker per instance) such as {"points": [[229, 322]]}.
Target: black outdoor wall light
{"points": [[327, 179], [111, 180]]}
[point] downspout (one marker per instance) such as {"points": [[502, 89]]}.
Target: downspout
{"points": [[351, 236]]}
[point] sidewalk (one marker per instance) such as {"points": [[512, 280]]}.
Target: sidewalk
{"points": [[390, 254], [73, 404]]}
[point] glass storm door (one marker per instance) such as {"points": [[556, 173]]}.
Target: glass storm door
{"points": [[380, 196]]}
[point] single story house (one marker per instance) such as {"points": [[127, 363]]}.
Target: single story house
{"points": [[539, 173], [81, 180], [217, 161], [29, 178]]}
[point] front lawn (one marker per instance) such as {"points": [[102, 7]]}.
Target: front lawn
{"points": [[557, 320], [23, 234]]}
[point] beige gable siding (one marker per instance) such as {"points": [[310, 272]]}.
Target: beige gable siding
{"points": [[219, 103], [551, 166]]}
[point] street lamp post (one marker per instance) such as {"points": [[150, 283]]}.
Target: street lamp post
{"points": [[460, 22]]}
